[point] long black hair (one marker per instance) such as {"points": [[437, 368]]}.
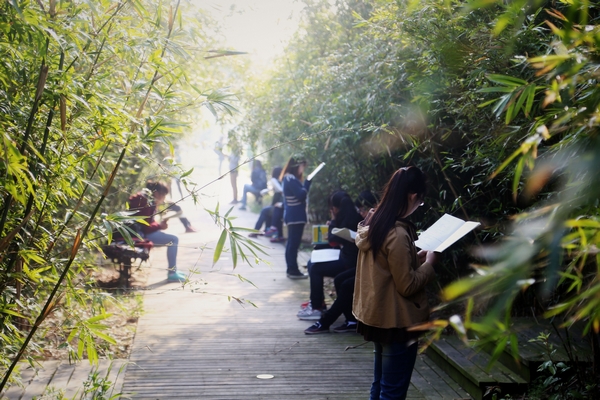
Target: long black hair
{"points": [[157, 187], [292, 167], [277, 173], [394, 203], [347, 216]]}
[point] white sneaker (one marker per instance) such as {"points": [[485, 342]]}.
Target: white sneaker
{"points": [[308, 314]]}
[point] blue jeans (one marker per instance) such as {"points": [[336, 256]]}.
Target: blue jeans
{"points": [[159, 238], [265, 217], [251, 189], [277, 220], [291, 247], [394, 363]]}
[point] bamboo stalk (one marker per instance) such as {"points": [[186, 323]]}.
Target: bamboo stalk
{"points": [[75, 248], [43, 74]]}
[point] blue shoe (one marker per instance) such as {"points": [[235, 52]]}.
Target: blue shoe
{"points": [[176, 277]]}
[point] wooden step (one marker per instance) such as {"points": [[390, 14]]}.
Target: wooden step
{"points": [[469, 368]]}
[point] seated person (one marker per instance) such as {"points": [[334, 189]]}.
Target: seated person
{"points": [[365, 201], [268, 215], [344, 286], [176, 208], [259, 182], [145, 204], [344, 216]]}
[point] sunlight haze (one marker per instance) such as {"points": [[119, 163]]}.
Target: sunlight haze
{"points": [[260, 27]]}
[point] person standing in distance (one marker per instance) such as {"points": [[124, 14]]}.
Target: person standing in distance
{"points": [[389, 293], [294, 212]]}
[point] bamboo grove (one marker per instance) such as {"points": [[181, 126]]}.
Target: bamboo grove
{"points": [[498, 102], [91, 95]]}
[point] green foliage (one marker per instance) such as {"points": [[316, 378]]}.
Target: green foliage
{"points": [[92, 97], [557, 380], [497, 101], [239, 247]]}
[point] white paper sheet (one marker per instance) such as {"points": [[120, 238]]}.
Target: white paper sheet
{"points": [[445, 232], [324, 255]]}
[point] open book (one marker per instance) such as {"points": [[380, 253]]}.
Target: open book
{"points": [[345, 233], [324, 255], [445, 232], [316, 171]]}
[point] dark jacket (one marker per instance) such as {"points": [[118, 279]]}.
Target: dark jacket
{"points": [[142, 206], [259, 178], [350, 220], [294, 200]]}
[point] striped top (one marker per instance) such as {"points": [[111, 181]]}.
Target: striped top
{"points": [[294, 200]]}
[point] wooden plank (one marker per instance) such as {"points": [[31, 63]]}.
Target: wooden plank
{"points": [[423, 386], [16, 391], [60, 380], [41, 379], [435, 376], [81, 372], [437, 356], [116, 373], [482, 359], [190, 345], [472, 371], [449, 388]]}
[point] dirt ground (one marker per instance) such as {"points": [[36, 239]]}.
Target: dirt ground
{"points": [[121, 325]]}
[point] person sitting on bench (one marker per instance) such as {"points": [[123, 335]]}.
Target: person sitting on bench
{"points": [[145, 204]]}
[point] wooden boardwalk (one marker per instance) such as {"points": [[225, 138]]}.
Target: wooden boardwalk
{"points": [[198, 342], [194, 343]]}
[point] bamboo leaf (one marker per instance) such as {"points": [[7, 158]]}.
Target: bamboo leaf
{"points": [[234, 250], [498, 350], [8, 311], [91, 352], [497, 89], [504, 164], [103, 336], [219, 247], [506, 80], [517, 178], [530, 98], [98, 318]]}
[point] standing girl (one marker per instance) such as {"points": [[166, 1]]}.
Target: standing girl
{"points": [[390, 283], [294, 214]]}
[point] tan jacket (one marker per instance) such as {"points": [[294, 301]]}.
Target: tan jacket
{"points": [[389, 291]]}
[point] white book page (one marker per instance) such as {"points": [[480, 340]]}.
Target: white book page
{"points": [[467, 227], [345, 233], [316, 171], [324, 255], [446, 231]]}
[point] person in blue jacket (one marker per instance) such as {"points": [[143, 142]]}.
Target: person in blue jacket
{"points": [[259, 182], [294, 212]]}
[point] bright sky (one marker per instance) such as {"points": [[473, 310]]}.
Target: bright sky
{"points": [[259, 27]]}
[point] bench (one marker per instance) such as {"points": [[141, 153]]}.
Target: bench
{"points": [[123, 255]]}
